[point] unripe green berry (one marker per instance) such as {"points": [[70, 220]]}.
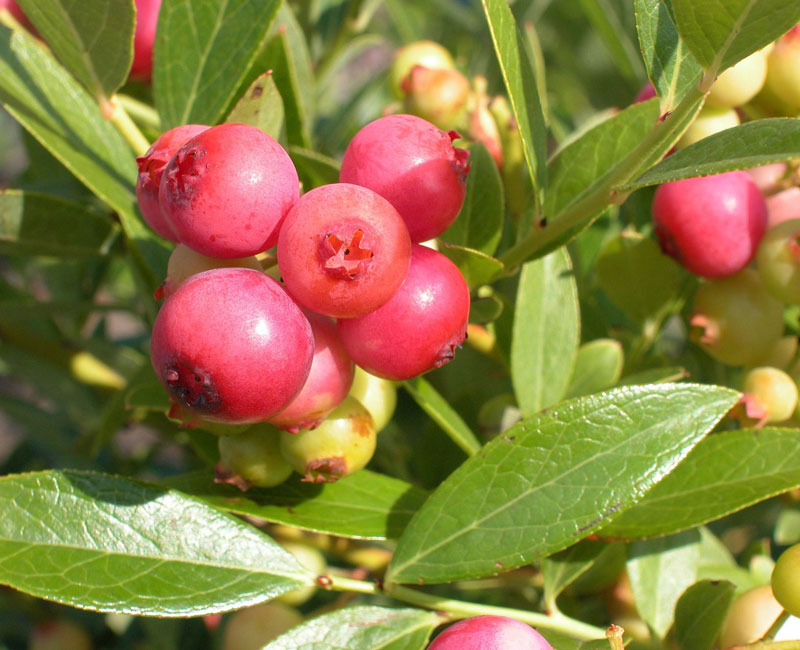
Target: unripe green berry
{"points": [[342, 444], [252, 458], [309, 558], [735, 320], [739, 84], [709, 121], [184, 263], [783, 70], [785, 583], [778, 261], [378, 395], [425, 53], [770, 395]]}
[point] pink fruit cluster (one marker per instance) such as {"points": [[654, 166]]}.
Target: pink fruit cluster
{"points": [[231, 344]]}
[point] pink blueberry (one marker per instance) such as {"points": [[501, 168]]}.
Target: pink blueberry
{"points": [[490, 633], [143, 38]]}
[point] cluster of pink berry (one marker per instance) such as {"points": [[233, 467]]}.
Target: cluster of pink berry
{"points": [[234, 346]]}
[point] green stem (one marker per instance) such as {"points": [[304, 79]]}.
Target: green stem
{"points": [[142, 113], [605, 193], [126, 126], [460, 609], [769, 645], [777, 625]]}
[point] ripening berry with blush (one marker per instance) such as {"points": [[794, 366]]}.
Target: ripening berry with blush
{"points": [[425, 53], [783, 69], [778, 261], [252, 458], [783, 206], [490, 633], [770, 395], [413, 165], [768, 177], [437, 95], [735, 320], [341, 444], [749, 618], [184, 263], [143, 39], [343, 250], [421, 325], [712, 225], [328, 382], [230, 346], [226, 191], [151, 168]]}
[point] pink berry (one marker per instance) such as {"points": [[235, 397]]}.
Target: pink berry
{"points": [[328, 382], [490, 633], [413, 165], [343, 250], [421, 325], [648, 91], [230, 346], [783, 206], [226, 191], [143, 38], [712, 225], [151, 168]]}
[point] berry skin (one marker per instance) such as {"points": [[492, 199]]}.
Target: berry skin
{"points": [[421, 325], [778, 261], [783, 206], [143, 38], [343, 250], [490, 633], [59, 635], [327, 384], [151, 169], [252, 628], [735, 320], [184, 263], [309, 558], [709, 121], [770, 395], [739, 84], [425, 53], [712, 225], [252, 459], [343, 443], [226, 191], [785, 584], [648, 91], [783, 69], [439, 96], [749, 617], [768, 177], [413, 165], [230, 346], [379, 396]]}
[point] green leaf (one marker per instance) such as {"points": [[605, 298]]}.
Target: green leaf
{"points": [[286, 54], [721, 32], [700, 613], [442, 413], [316, 167], [479, 225], [485, 309], [670, 65], [598, 365], [261, 106], [363, 505], [38, 224], [603, 16], [59, 113], [202, 52], [511, 47], [107, 543], [93, 40], [660, 570], [546, 332], [749, 145], [723, 474], [553, 479], [361, 628], [655, 376], [561, 569], [580, 166], [636, 276], [476, 267]]}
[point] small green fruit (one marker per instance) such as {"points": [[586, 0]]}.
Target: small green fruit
{"points": [[785, 582], [252, 459], [378, 395], [778, 261]]}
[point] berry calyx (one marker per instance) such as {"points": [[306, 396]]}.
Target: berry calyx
{"points": [[490, 633], [151, 169], [230, 346], [343, 250], [420, 326], [712, 225], [341, 444], [227, 190], [413, 165]]}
